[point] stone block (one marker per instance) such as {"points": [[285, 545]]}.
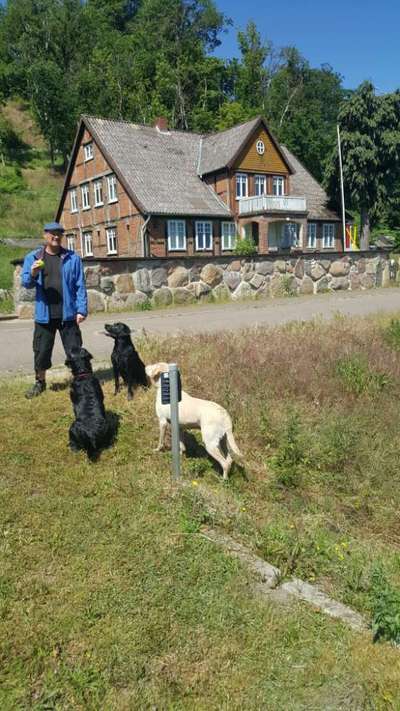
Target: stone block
{"points": [[92, 277], [257, 281], [307, 285], [25, 295], [234, 266], [178, 277], [124, 284], [299, 268], [243, 291], [162, 296], [221, 293], [317, 271], [322, 285], [141, 280], [339, 283], [116, 302], [355, 281], [232, 280], [159, 277], [107, 284], [367, 281], [212, 275], [265, 268], [180, 295], [96, 301], [340, 268], [136, 300], [280, 266]]}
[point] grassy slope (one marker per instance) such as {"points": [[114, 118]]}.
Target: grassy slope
{"points": [[23, 214], [110, 597]]}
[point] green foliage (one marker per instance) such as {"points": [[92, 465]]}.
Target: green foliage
{"points": [[370, 138], [291, 456], [11, 180], [391, 334], [385, 608], [245, 247], [357, 377]]}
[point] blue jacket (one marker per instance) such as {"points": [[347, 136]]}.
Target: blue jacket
{"points": [[73, 283]]}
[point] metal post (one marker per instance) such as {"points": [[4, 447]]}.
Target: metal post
{"points": [[342, 191], [173, 384]]}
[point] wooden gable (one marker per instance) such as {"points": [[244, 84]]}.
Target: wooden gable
{"points": [[270, 161]]}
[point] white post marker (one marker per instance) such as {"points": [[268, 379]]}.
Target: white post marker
{"points": [[173, 389]]}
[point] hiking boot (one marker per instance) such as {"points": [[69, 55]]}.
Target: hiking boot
{"points": [[37, 388]]}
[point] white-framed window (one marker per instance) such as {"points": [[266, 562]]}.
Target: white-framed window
{"points": [[312, 235], [328, 234], [74, 201], [88, 151], [176, 235], [241, 185], [260, 147], [98, 192], [259, 185], [87, 244], [111, 234], [228, 233], [71, 242], [112, 188], [85, 196], [278, 185], [203, 235]]}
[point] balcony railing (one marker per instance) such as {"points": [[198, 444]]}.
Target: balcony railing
{"points": [[272, 203]]}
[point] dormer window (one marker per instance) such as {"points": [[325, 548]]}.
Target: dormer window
{"points": [[88, 151]]}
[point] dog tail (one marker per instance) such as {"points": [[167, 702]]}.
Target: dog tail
{"points": [[233, 448]]}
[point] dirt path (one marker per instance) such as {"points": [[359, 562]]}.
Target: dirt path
{"points": [[16, 336]]}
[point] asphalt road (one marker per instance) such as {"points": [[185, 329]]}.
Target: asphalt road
{"points": [[16, 336]]}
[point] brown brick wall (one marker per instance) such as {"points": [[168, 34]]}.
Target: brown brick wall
{"points": [[159, 240], [123, 214]]}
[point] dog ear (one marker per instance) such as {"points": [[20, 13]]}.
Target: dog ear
{"points": [[154, 371]]}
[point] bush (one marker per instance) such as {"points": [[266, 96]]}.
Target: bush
{"points": [[290, 457], [245, 247], [385, 608], [11, 180], [358, 378], [392, 334]]}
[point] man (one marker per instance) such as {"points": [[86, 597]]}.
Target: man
{"points": [[60, 302]]}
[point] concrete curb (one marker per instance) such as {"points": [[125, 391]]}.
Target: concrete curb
{"points": [[8, 317], [296, 588]]}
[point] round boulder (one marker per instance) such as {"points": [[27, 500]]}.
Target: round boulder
{"points": [[211, 275], [339, 268], [162, 296], [124, 284], [180, 295], [141, 280], [159, 277], [95, 301], [178, 277]]}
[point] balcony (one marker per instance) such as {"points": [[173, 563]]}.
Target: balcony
{"points": [[272, 203]]}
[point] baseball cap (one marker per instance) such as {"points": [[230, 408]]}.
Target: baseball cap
{"points": [[53, 227]]}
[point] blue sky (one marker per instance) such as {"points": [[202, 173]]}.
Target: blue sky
{"points": [[359, 38]]}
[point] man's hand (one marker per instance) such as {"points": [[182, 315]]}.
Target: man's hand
{"points": [[37, 265], [79, 318]]}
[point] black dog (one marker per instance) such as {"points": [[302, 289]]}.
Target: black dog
{"points": [[92, 431], [125, 359]]}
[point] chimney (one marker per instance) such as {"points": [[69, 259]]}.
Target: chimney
{"points": [[161, 123]]}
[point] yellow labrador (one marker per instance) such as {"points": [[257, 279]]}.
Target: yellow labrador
{"points": [[213, 421]]}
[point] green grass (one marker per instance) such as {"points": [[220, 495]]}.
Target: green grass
{"points": [[110, 596], [7, 269]]}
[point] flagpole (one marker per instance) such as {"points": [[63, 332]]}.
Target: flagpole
{"points": [[342, 190]]}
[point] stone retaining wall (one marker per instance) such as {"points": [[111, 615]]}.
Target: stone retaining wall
{"points": [[116, 285]]}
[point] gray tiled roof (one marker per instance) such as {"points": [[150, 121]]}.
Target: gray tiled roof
{"points": [[218, 149], [302, 183], [162, 169], [159, 167]]}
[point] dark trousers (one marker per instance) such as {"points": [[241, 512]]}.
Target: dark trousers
{"points": [[44, 336]]}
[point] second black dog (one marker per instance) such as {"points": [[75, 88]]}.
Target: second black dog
{"points": [[91, 431], [125, 359]]}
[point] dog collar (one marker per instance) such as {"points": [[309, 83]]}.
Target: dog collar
{"points": [[83, 376]]}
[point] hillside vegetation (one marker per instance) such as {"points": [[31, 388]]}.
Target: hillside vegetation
{"points": [[111, 597], [29, 187]]}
